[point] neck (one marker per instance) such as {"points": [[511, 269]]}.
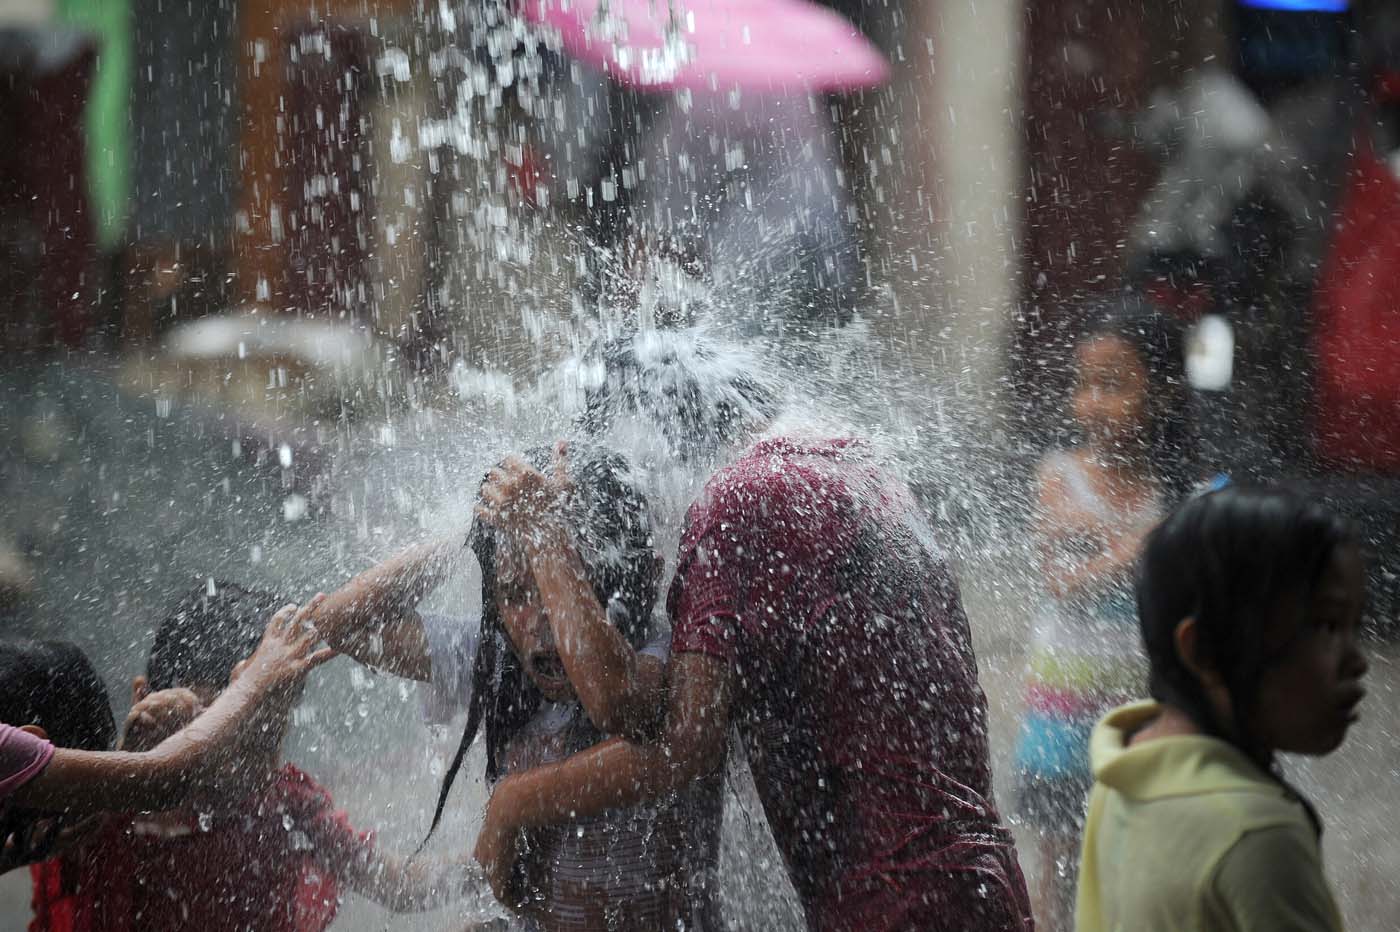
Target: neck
{"points": [[1174, 721], [1171, 722]]}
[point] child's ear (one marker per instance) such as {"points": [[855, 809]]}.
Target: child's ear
{"points": [[1188, 648], [140, 688], [35, 730]]}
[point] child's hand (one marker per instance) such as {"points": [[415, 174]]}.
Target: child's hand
{"points": [[45, 838], [287, 652], [522, 501], [158, 716]]}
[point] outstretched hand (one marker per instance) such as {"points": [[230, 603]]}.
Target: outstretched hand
{"points": [[287, 651], [523, 501]]}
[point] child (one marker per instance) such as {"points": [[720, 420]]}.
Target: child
{"points": [[1250, 603], [565, 650], [1095, 501], [39, 782], [270, 860], [50, 686], [812, 610]]}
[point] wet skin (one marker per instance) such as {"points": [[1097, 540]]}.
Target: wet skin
{"points": [[1109, 400], [527, 624], [1309, 695]]}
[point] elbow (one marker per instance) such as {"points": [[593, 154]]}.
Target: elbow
{"points": [[609, 711], [614, 696], [694, 760]]}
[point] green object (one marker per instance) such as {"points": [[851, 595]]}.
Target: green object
{"points": [[108, 117]]}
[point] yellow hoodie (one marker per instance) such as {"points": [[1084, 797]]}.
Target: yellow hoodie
{"points": [[1187, 833]]}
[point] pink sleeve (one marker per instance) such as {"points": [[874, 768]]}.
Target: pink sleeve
{"points": [[22, 758]]}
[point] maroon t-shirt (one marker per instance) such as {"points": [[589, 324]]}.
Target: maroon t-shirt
{"points": [[271, 864], [810, 570]]}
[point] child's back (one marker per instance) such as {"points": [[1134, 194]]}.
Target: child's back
{"points": [[264, 864], [1189, 833], [1249, 603]]}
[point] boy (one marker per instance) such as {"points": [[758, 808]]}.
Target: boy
{"points": [[273, 861]]}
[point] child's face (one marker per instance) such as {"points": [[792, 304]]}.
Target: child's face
{"points": [[527, 625], [1110, 390], [1308, 697]]}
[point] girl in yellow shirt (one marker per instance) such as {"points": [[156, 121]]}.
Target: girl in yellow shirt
{"points": [[1250, 602]]}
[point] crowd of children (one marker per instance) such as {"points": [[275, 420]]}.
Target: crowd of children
{"points": [[812, 613]]}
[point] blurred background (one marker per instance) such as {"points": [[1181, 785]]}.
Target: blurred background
{"points": [[276, 279]]}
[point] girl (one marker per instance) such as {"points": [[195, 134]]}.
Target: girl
{"points": [[1095, 501], [1250, 603], [565, 655], [42, 786]]}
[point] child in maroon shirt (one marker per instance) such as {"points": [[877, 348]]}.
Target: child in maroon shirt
{"points": [[811, 608], [273, 861]]}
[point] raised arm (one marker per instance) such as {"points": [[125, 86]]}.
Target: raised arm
{"points": [[1068, 572], [621, 690], [203, 756], [373, 618], [616, 773]]}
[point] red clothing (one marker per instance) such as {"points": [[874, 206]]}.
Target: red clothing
{"points": [[856, 691], [1357, 331], [272, 865]]}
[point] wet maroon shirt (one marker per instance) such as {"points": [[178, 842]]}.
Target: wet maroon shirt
{"points": [[855, 689], [270, 864]]}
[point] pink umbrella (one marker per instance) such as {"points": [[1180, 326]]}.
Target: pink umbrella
{"points": [[760, 45]]}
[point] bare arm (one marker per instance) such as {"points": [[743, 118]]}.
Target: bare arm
{"points": [[197, 757], [406, 885], [616, 773], [621, 690], [373, 618], [1066, 573]]}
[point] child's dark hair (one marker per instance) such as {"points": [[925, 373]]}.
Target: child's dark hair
{"points": [[610, 525], [678, 386], [1157, 339], [214, 627], [53, 685], [1228, 559]]}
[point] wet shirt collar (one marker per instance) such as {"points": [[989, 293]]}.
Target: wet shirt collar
{"points": [[1181, 765]]}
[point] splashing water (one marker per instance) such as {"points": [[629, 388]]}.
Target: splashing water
{"points": [[548, 329]]}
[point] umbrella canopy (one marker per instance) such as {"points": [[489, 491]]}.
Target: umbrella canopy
{"points": [[757, 45]]}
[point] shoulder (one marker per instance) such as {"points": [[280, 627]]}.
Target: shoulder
{"points": [[778, 472], [294, 790], [757, 473], [1271, 877]]}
